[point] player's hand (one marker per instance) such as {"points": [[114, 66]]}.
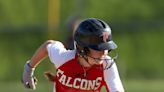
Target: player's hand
{"points": [[28, 79]]}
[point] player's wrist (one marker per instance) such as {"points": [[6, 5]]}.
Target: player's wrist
{"points": [[28, 67], [29, 64]]}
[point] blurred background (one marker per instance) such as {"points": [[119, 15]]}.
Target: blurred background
{"points": [[137, 26]]}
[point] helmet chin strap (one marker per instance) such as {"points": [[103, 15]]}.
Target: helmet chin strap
{"points": [[82, 54]]}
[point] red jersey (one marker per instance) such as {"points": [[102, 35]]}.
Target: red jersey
{"points": [[72, 77]]}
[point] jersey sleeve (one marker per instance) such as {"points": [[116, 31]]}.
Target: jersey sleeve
{"points": [[58, 53], [112, 78]]}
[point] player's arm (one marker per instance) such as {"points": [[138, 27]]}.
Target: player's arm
{"points": [[40, 54], [28, 74], [113, 80]]}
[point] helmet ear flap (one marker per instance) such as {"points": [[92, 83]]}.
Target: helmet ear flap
{"points": [[82, 51]]}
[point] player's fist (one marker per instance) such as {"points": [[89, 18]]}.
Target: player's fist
{"points": [[28, 79]]}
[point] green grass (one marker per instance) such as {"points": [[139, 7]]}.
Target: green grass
{"points": [[144, 85], [18, 87], [129, 85]]}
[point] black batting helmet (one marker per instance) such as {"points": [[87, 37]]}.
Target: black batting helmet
{"points": [[95, 34]]}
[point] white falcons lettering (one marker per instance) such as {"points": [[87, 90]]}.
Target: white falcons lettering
{"points": [[78, 83], [68, 82], [75, 83]]}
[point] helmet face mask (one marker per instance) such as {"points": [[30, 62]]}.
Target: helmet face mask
{"points": [[95, 34]]}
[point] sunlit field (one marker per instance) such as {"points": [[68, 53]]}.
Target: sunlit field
{"points": [[130, 86]]}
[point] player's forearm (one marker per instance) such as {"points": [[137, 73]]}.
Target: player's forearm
{"points": [[40, 54]]}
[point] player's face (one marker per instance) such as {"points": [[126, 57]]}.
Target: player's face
{"points": [[97, 57]]}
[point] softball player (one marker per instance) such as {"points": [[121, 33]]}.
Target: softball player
{"points": [[85, 69]]}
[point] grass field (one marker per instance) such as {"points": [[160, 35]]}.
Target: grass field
{"points": [[144, 86], [130, 86]]}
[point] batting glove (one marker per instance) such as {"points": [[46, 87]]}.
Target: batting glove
{"points": [[28, 79]]}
